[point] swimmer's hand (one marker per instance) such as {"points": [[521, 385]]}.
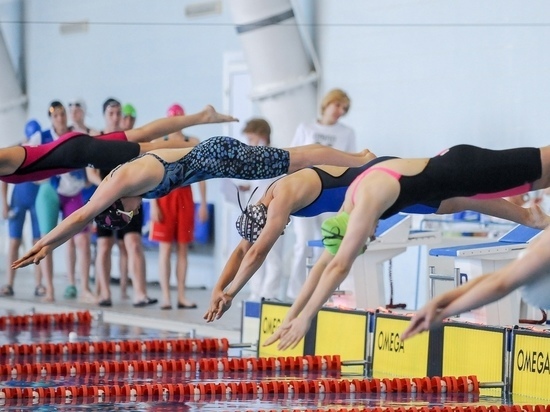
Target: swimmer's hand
{"points": [[289, 334], [35, 255], [425, 319], [220, 303]]}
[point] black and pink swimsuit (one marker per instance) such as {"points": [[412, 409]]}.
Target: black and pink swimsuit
{"points": [[464, 171], [71, 151]]}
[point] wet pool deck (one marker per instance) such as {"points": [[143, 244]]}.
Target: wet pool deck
{"points": [[122, 311]]}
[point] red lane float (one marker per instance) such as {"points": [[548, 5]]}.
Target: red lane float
{"points": [[112, 347], [290, 387], [46, 319], [298, 364]]}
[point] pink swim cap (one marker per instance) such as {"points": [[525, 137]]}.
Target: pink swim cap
{"points": [[175, 110]]}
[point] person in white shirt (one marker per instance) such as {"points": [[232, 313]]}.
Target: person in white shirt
{"points": [[267, 282], [77, 114], [328, 131]]}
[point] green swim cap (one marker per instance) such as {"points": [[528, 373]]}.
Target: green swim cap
{"points": [[333, 231], [129, 110]]}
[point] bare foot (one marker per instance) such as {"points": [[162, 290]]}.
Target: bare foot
{"points": [[537, 218], [48, 298], [212, 116], [87, 296], [124, 295]]}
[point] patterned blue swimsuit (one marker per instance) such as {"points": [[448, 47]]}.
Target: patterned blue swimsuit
{"points": [[219, 157]]}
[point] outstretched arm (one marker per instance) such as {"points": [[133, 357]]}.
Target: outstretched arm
{"points": [[373, 197], [253, 258], [334, 273], [485, 289], [163, 127], [63, 232], [69, 227], [110, 189], [426, 317], [219, 303], [533, 216], [303, 297]]}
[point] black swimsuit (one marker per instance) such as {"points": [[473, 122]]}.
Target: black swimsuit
{"points": [[333, 189], [465, 171]]}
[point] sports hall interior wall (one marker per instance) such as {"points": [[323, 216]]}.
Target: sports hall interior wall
{"points": [[422, 75]]}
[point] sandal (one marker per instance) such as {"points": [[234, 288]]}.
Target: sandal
{"points": [[105, 303], [39, 291], [70, 292], [183, 306], [6, 290], [145, 302]]}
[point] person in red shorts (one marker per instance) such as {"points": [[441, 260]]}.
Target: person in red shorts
{"points": [[172, 223]]}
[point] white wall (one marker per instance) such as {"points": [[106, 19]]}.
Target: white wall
{"points": [[10, 17], [144, 52], [422, 74], [427, 73]]}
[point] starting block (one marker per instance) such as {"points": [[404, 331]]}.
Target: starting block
{"points": [[392, 237], [474, 260]]}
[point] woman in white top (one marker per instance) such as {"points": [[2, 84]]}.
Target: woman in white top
{"points": [[328, 131]]}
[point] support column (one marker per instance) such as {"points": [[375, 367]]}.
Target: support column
{"points": [[284, 77], [12, 101]]}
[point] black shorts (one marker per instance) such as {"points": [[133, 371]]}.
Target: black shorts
{"points": [[134, 226]]}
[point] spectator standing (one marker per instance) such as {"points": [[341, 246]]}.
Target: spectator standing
{"points": [[128, 238], [129, 116], [77, 114], [23, 197], [267, 281], [172, 224], [328, 131], [69, 188]]}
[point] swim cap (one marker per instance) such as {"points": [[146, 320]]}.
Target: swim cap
{"points": [[128, 110], [31, 128], [110, 102], [114, 217], [175, 110], [333, 231], [78, 103], [251, 222]]}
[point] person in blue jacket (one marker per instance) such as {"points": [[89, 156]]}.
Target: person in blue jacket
{"points": [[23, 197]]}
